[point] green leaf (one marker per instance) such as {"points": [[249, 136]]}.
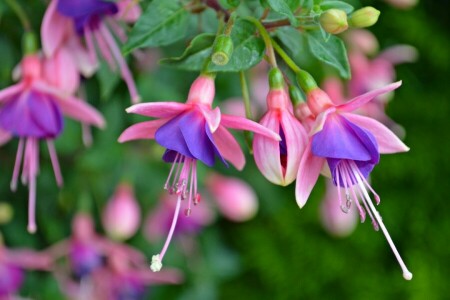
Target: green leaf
{"points": [[163, 23], [282, 7], [331, 52], [195, 54], [329, 4], [248, 51]]}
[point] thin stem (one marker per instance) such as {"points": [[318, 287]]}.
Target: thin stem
{"points": [[291, 64], [248, 108], [267, 40], [219, 31], [230, 23], [20, 13]]}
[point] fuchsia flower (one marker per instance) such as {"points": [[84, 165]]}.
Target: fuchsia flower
{"points": [[122, 215], [190, 132], [236, 200], [32, 110], [347, 146], [12, 265], [65, 21], [278, 161], [95, 264]]}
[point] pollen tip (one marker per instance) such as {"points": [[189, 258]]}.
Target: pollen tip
{"points": [[156, 264], [32, 228], [407, 275], [136, 99]]}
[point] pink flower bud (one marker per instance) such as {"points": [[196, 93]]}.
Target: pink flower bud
{"points": [[235, 199], [121, 216], [202, 90], [318, 101]]}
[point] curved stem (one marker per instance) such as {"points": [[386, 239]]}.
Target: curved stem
{"points": [[20, 13], [248, 108], [267, 40], [291, 64]]}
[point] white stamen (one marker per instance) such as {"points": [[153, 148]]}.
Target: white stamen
{"points": [[156, 264]]}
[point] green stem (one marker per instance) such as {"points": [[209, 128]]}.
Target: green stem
{"points": [[248, 109], [291, 64], [20, 13], [267, 40], [208, 61], [230, 23]]}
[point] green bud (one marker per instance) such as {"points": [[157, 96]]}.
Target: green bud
{"points": [[306, 81], [29, 43], [364, 17], [276, 80], [223, 49], [334, 21], [296, 95]]}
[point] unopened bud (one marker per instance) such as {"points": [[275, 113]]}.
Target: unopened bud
{"points": [[223, 49], [334, 21], [6, 213], [305, 81], [295, 95], [364, 17]]}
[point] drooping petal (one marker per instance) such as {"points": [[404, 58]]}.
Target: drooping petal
{"points": [[229, 148], [296, 140], [61, 71], [212, 117], [308, 173], [342, 139], [10, 91], [33, 114], [143, 130], [55, 28], [320, 120], [387, 141], [192, 127], [170, 137], [158, 109], [240, 123], [87, 64], [267, 151], [359, 101], [399, 54], [79, 110]]}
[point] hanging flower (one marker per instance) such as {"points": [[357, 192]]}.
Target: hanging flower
{"points": [[32, 110], [65, 21], [350, 145], [191, 132]]}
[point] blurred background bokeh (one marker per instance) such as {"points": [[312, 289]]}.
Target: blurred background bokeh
{"points": [[283, 252]]}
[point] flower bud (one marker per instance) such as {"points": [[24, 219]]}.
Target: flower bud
{"points": [[276, 80], [121, 216], [364, 17], [334, 21], [306, 81], [6, 212], [295, 95], [223, 49], [235, 199]]}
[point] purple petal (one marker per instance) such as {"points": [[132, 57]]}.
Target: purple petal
{"points": [[169, 136], [84, 259], [32, 114], [11, 279], [86, 12], [342, 139]]}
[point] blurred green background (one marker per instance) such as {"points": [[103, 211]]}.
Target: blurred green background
{"points": [[283, 253]]}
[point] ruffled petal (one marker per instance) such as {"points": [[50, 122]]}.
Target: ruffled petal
{"points": [[342, 139], [359, 101], [79, 110], [240, 123], [229, 148], [143, 130], [308, 173], [266, 151], [387, 141], [158, 109]]}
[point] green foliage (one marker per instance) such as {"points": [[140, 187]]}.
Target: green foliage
{"points": [[282, 7], [329, 4], [163, 23]]}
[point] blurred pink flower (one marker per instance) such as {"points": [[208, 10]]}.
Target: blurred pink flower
{"points": [[402, 4], [235, 199], [122, 214], [13, 262], [65, 21], [32, 110]]}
